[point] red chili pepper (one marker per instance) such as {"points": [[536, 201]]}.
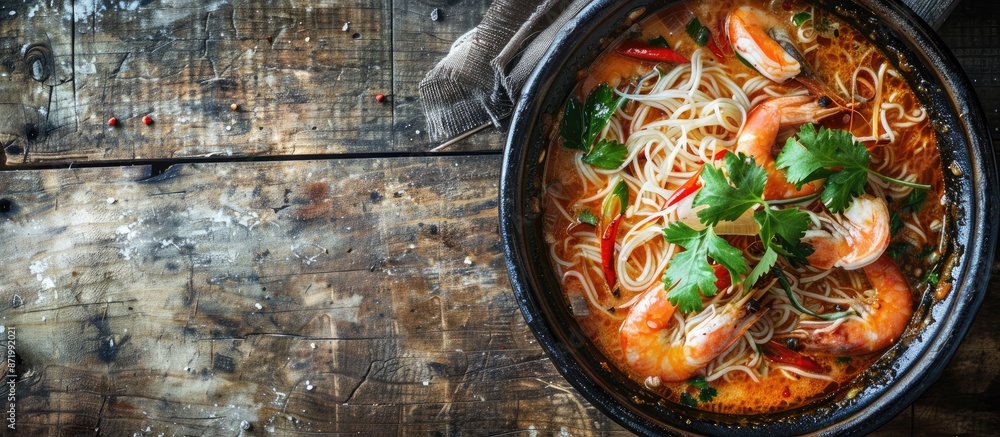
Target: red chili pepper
{"points": [[608, 239], [691, 185], [686, 189], [777, 353], [640, 50], [716, 50], [722, 278]]}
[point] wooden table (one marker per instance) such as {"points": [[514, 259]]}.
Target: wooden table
{"points": [[278, 252]]}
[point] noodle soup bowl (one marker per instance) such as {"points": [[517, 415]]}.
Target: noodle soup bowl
{"points": [[876, 395]]}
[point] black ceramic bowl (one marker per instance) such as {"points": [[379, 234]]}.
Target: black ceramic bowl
{"points": [[878, 394]]}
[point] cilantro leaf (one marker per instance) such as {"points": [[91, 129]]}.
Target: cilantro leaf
{"points": [[788, 224], [571, 128], [707, 394], [688, 401], [827, 153], [587, 217], [914, 201], [725, 200], [834, 155], [689, 276], [763, 266], [607, 154], [601, 104], [699, 382]]}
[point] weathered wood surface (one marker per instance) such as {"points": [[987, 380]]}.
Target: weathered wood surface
{"points": [[135, 294], [304, 77], [335, 296]]}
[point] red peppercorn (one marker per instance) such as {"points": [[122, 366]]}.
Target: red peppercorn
{"points": [[379, 98], [113, 121], [147, 120]]}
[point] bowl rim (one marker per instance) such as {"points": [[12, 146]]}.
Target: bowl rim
{"points": [[976, 186]]}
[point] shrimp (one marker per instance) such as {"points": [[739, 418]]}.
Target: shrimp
{"points": [[749, 31], [855, 238], [879, 326], [761, 40], [646, 337], [761, 130]]}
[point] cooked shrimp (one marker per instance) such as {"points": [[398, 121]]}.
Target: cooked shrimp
{"points": [[879, 326], [761, 130], [749, 32], [646, 337], [853, 239]]}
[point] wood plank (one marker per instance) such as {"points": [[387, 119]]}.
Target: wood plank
{"points": [[309, 90], [337, 296]]}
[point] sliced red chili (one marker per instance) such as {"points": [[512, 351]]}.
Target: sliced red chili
{"points": [[686, 189], [639, 49], [716, 50], [778, 353], [722, 278], [608, 239]]}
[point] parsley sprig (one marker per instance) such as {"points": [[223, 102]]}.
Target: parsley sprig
{"points": [[727, 196], [705, 393], [582, 122], [831, 154]]}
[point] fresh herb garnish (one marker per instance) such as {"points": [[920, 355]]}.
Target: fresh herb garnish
{"points": [[795, 302], [607, 154], [587, 217], [832, 154], [705, 393], [914, 201], [582, 123], [780, 229], [689, 276], [659, 41], [931, 278], [800, 18], [726, 199], [842, 360], [698, 32]]}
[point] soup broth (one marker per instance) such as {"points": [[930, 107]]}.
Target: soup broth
{"points": [[654, 182]]}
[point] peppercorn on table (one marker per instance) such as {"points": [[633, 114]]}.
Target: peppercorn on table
{"points": [[224, 218]]}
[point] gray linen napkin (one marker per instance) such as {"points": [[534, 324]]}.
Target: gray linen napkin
{"points": [[482, 75], [479, 80]]}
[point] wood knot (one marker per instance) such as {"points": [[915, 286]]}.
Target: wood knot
{"points": [[39, 61]]}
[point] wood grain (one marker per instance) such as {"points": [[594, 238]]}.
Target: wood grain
{"points": [[335, 296]]}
